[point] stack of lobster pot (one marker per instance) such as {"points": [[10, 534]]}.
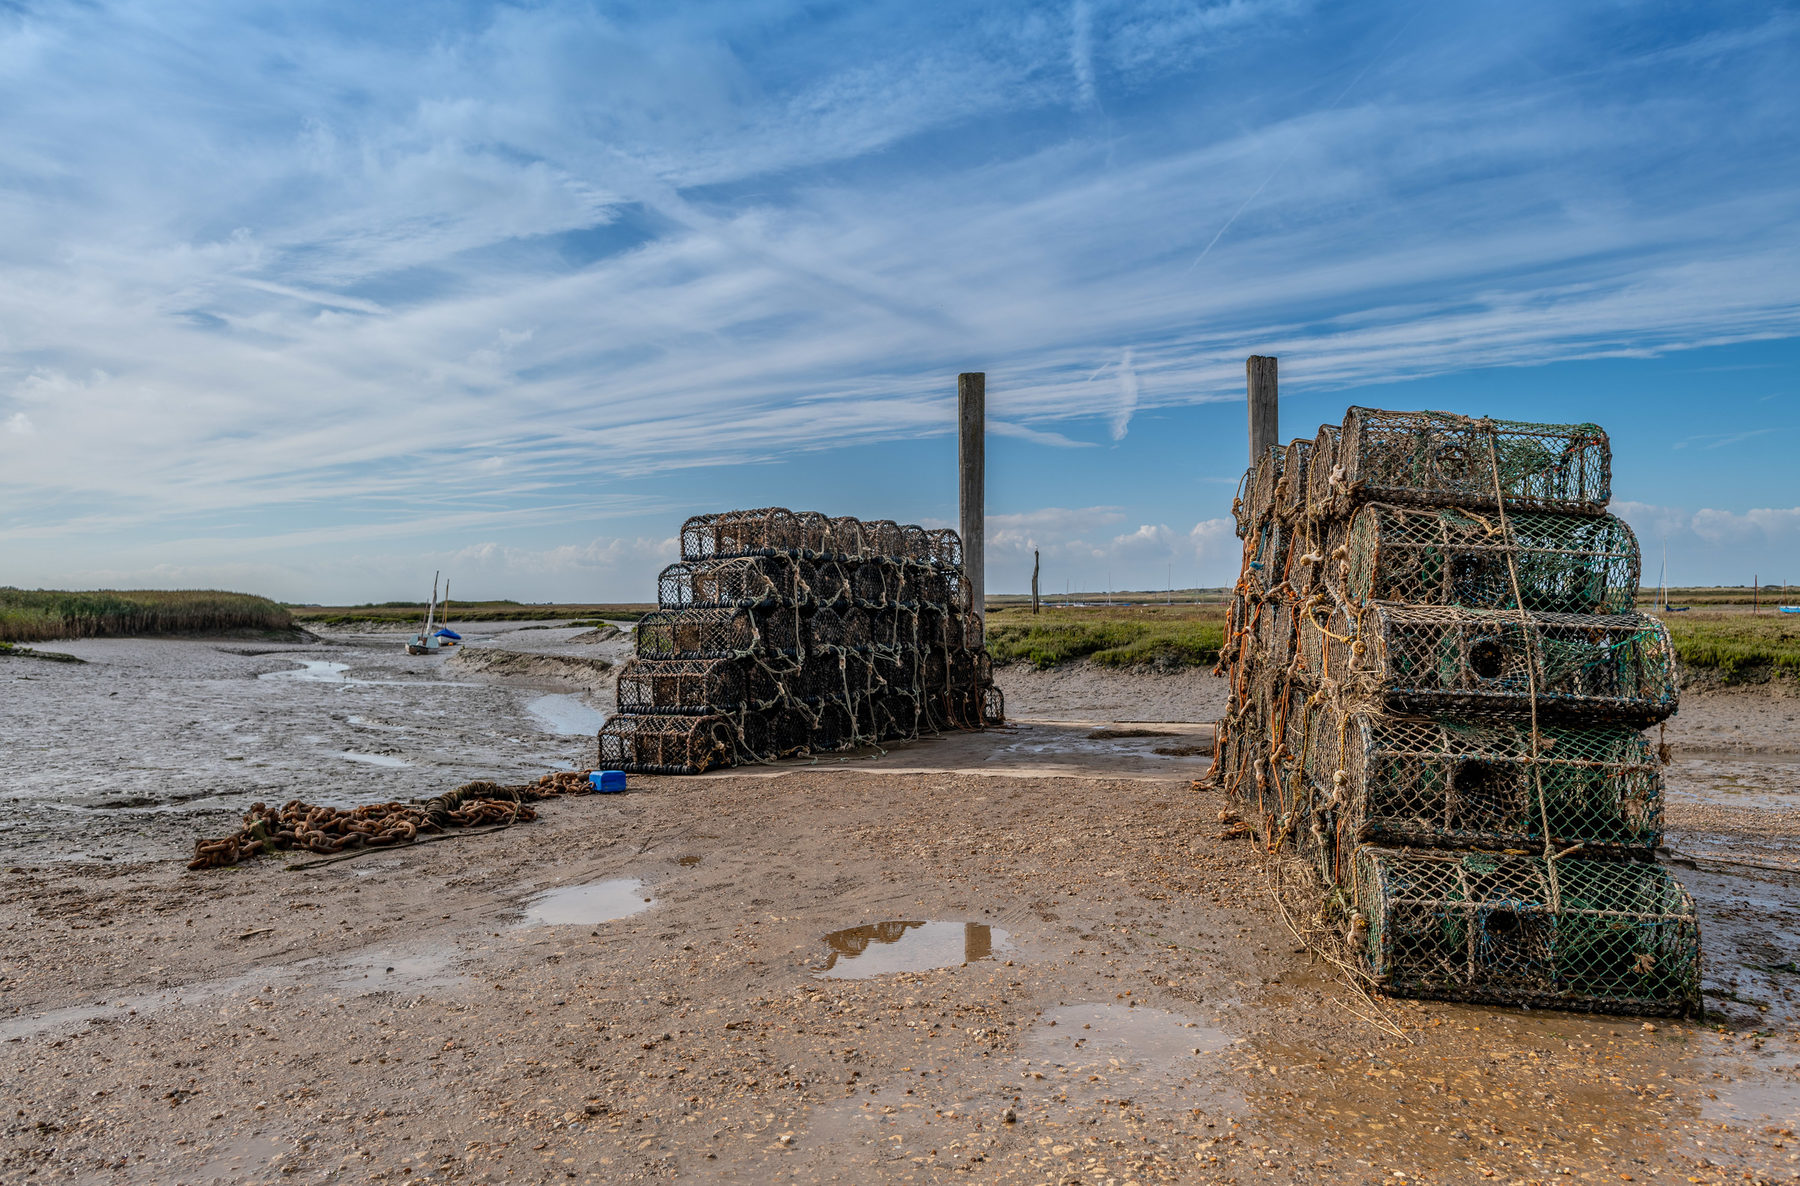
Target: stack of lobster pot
{"points": [[781, 633], [1438, 693]]}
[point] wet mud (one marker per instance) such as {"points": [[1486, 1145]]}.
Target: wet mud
{"points": [[1089, 984]]}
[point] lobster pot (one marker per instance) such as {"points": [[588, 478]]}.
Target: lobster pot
{"points": [[742, 581], [1318, 653], [962, 632], [1427, 458], [1568, 564], [1263, 483], [993, 706], [831, 584], [1308, 797], [845, 539], [697, 634], [761, 532], [1437, 782], [644, 744], [883, 539], [1602, 936], [1279, 613], [1240, 503], [1614, 667], [946, 548], [834, 724], [1290, 490], [876, 583], [1305, 566], [899, 629], [915, 544], [694, 687], [896, 716], [1321, 463], [1266, 550]]}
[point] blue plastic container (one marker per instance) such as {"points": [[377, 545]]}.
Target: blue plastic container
{"points": [[608, 781]]}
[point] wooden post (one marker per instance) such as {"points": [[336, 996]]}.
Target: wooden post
{"points": [[1756, 594], [1265, 420], [1034, 572], [971, 460]]}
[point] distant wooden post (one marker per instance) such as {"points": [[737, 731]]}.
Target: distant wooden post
{"points": [[1265, 418], [1034, 572], [1755, 594], [971, 459]]}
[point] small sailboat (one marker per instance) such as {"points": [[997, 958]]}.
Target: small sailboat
{"points": [[446, 636], [425, 642]]}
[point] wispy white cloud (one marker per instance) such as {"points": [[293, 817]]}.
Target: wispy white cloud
{"points": [[419, 271]]}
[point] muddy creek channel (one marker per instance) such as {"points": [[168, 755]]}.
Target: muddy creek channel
{"points": [[993, 958]]}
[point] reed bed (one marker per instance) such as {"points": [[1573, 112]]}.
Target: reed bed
{"points": [[406, 612], [33, 615], [1112, 636], [1741, 647]]}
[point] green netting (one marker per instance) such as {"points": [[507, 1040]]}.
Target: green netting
{"points": [[1435, 659], [1441, 782], [1606, 936], [1439, 458], [1569, 564]]}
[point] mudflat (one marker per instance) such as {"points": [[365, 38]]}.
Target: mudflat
{"points": [[1025, 955]]}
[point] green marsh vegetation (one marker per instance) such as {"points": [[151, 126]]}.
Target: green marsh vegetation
{"points": [[31, 615], [402, 613], [1741, 647], [1112, 636]]}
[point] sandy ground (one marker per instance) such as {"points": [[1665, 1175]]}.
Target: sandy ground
{"points": [[1018, 956]]}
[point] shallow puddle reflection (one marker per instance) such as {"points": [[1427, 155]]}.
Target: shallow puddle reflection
{"points": [[1098, 1050], [585, 905], [907, 946]]}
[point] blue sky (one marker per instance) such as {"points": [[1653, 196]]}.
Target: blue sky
{"points": [[314, 299]]}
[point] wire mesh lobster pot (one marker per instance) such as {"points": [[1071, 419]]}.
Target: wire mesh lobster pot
{"points": [[946, 548], [830, 584], [993, 706], [1275, 630], [1266, 553], [1441, 458], [697, 634], [876, 583], [694, 687], [643, 744], [1262, 485], [1290, 488], [1321, 466], [1604, 936], [741, 581], [760, 532], [1241, 516], [1612, 667], [896, 715], [1438, 782], [1570, 564]]}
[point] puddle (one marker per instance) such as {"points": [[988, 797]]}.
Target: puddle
{"points": [[366, 723], [373, 759], [382, 970], [882, 947], [244, 1158], [566, 716], [1105, 1050], [584, 905], [312, 671], [1750, 780]]}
